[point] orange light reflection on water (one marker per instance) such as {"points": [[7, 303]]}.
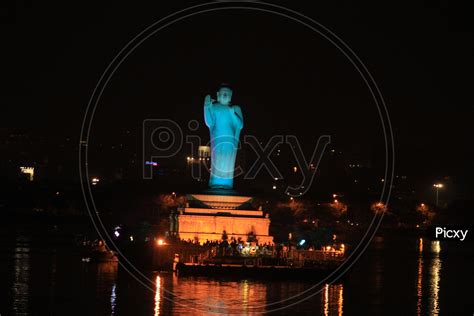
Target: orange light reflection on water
{"points": [[333, 299], [157, 295]]}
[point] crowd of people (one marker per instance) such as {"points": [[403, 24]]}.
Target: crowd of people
{"points": [[237, 247]]}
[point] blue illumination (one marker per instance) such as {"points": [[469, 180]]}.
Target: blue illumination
{"points": [[302, 242], [225, 121]]}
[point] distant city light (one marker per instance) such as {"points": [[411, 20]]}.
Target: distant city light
{"points": [[116, 233], [274, 187], [378, 207], [302, 242], [437, 186], [151, 163], [95, 181], [160, 242], [29, 171]]}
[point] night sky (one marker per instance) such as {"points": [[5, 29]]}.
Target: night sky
{"points": [[287, 79]]}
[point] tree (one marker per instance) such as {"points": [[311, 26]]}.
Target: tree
{"points": [[378, 208], [426, 213], [337, 208]]}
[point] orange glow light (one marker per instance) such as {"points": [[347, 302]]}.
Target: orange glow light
{"points": [[160, 242]]}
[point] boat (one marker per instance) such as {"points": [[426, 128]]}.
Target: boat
{"points": [[303, 264]]}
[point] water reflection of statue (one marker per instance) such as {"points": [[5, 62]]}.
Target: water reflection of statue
{"points": [[225, 122]]}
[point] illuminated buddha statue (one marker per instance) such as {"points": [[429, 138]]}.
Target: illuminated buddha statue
{"points": [[225, 121]]}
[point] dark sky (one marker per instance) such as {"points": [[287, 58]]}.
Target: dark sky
{"points": [[287, 79]]}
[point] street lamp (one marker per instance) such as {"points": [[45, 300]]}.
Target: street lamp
{"points": [[437, 186]]}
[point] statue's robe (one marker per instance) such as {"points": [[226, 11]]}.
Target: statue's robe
{"points": [[225, 123]]}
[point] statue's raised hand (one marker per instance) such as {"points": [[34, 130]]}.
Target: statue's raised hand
{"points": [[207, 101]]}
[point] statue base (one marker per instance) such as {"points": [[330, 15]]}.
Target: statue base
{"points": [[206, 216], [220, 191]]}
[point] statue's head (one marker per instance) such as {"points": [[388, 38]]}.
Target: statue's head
{"points": [[224, 94]]}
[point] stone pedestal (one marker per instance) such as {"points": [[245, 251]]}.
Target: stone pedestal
{"points": [[207, 216]]}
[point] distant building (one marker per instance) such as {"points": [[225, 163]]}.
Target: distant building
{"points": [[204, 152], [198, 167], [29, 172]]}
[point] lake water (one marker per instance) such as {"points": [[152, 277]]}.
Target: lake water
{"points": [[395, 276]]}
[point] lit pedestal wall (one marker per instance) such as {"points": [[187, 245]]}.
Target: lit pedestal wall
{"points": [[206, 217]]}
